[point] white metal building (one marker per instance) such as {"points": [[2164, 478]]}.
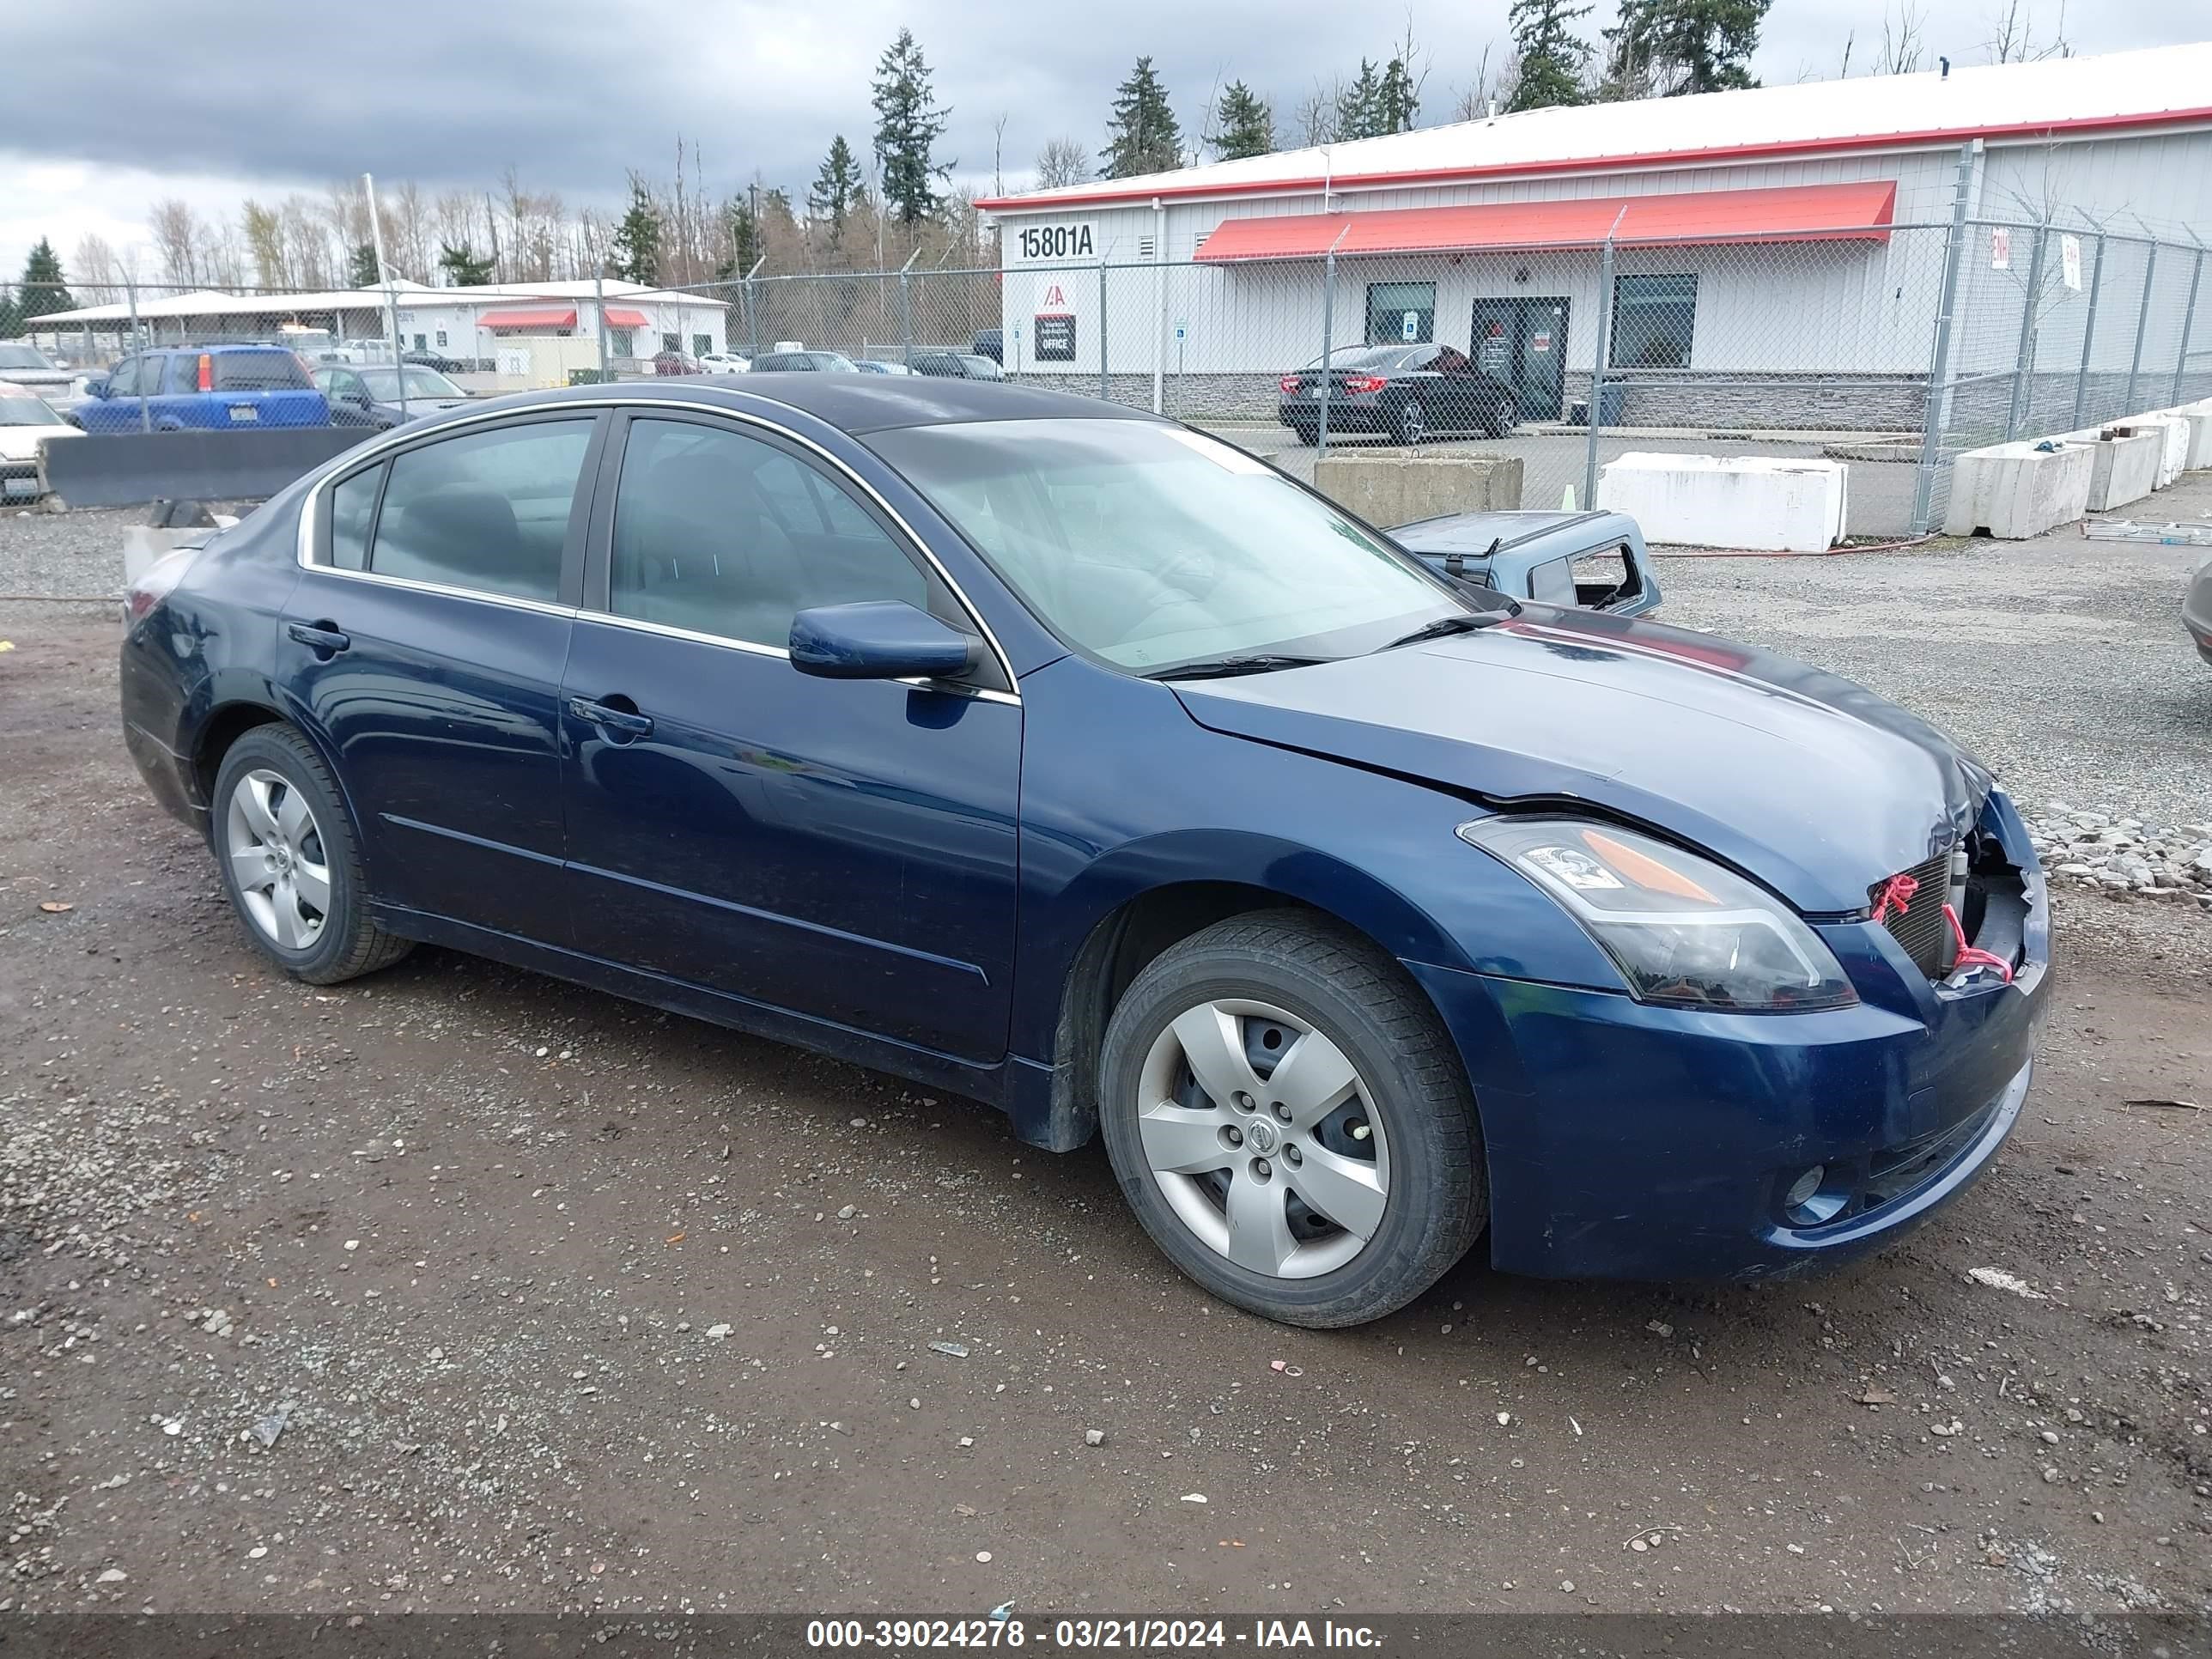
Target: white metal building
{"points": [[466, 324], [1790, 232]]}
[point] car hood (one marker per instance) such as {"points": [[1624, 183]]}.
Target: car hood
{"points": [[20, 443], [1808, 782]]}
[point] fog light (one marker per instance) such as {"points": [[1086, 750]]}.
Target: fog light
{"points": [[1805, 1205], [1801, 1193]]}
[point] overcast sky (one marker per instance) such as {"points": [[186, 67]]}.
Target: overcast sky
{"points": [[213, 99]]}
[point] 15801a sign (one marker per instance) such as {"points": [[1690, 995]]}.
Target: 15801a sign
{"points": [[1072, 240]]}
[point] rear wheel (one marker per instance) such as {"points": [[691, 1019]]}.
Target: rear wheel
{"points": [[290, 862], [1290, 1121], [1411, 424]]}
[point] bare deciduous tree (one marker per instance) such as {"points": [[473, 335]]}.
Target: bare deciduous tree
{"points": [[1062, 163], [1903, 43], [175, 230]]}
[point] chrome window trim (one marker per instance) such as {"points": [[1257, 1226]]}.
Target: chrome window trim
{"points": [[415, 585], [754, 647], [367, 454]]}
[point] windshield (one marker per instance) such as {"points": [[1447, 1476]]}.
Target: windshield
{"points": [[384, 384], [20, 408], [1150, 547], [23, 356]]}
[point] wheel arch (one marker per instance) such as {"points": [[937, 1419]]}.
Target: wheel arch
{"points": [[1140, 921], [227, 722]]}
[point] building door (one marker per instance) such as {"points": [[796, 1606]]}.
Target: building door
{"points": [[1523, 342]]}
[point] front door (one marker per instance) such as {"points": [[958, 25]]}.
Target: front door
{"points": [[844, 850], [1524, 342], [424, 645]]}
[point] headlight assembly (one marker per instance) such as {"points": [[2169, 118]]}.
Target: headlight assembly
{"points": [[1684, 932]]}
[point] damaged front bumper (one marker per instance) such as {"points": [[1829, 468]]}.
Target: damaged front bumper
{"points": [[1630, 1141]]}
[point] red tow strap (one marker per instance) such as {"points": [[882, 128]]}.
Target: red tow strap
{"points": [[1897, 893]]}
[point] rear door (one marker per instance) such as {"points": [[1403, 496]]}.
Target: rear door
{"points": [[842, 849], [424, 645]]}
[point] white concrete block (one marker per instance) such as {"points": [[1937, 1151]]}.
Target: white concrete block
{"points": [[1771, 503], [2174, 428], [2014, 491], [2123, 467], [2199, 416]]}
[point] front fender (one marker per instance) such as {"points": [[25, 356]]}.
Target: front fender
{"points": [[1123, 793]]}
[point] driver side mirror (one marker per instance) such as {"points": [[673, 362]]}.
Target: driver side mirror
{"points": [[877, 640], [96, 388]]}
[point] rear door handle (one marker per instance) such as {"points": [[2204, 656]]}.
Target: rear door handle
{"points": [[615, 720], [318, 637]]}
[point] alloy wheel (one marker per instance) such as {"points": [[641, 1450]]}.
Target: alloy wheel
{"points": [[1257, 1128], [277, 860]]}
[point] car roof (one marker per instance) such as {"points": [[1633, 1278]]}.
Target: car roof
{"points": [[866, 403]]}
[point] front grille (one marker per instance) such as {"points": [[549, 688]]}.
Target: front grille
{"points": [[1920, 927]]}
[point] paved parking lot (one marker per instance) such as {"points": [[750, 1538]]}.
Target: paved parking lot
{"points": [[550, 1302]]}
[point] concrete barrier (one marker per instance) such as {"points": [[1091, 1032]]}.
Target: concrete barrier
{"points": [[1771, 503], [2199, 416], [1397, 486], [2015, 490], [2123, 464], [2173, 429], [127, 469]]}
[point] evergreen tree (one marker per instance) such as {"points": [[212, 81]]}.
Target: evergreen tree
{"points": [[1551, 55], [42, 288], [361, 265], [1674, 46], [837, 186], [908, 123], [1141, 135], [462, 267], [1247, 126], [745, 247], [634, 253], [1358, 105], [1397, 99]]}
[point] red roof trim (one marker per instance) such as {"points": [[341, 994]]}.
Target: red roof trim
{"points": [[1600, 163], [541, 317], [1797, 213]]}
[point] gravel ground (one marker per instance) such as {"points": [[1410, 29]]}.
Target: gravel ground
{"points": [[459, 1288]]}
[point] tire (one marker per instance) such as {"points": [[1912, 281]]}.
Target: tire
{"points": [[1410, 423], [1407, 1124], [279, 770], [1501, 421]]}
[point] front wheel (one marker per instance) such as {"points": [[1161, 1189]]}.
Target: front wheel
{"points": [[1289, 1120]]}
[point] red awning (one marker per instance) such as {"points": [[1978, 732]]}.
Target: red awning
{"points": [[547, 317], [618, 318], [1789, 214]]}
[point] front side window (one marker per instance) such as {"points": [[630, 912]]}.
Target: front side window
{"points": [[1404, 312], [1152, 547], [486, 510], [123, 383], [1653, 320], [726, 534]]}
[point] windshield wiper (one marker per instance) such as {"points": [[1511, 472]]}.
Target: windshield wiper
{"points": [[1214, 668], [1458, 623]]}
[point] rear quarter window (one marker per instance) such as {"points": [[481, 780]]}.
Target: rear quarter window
{"points": [[260, 371]]}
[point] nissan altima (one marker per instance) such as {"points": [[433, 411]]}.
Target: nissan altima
{"points": [[1064, 758]]}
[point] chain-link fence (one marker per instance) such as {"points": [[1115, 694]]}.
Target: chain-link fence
{"points": [[1893, 346]]}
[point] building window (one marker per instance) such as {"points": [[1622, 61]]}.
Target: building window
{"points": [[1400, 312], [1653, 319], [619, 344], [671, 343], [701, 344], [418, 344]]}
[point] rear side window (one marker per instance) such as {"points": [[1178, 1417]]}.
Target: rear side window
{"points": [[258, 371], [183, 373], [1553, 582], [353, 507], [487, 510]]}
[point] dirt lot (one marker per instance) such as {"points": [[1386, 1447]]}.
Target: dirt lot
{"points": [[554, 1301]]}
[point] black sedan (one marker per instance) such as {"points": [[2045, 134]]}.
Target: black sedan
{"points": [[1406, 391], [958, 366]]}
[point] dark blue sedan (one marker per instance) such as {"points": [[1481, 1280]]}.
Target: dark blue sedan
{"points": [[1062, 757]]}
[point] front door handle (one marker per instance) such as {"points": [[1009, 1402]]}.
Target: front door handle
{"points": [[320, 637], [626, 721]]}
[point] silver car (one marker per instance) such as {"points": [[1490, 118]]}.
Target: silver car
{"points": [[2196, 610]]}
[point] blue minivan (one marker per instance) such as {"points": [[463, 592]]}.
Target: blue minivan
{"points": [[208, 388]]}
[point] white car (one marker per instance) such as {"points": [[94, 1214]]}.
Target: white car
{"points": [[723, 362], [26, 420]]}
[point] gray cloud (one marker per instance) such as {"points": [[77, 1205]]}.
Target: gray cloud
{"points": [[574, 92]]}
